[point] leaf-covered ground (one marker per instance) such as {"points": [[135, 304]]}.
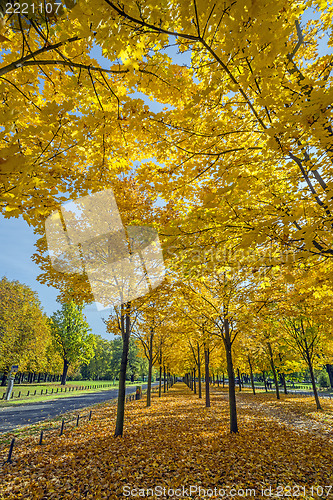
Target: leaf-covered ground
{"points": [[179, 445], [295, 410]]}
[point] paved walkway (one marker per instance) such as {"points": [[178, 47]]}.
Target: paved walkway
{"points": [[16, 416]]}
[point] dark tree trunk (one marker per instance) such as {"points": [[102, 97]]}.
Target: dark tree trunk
{"points": [[274, 371], [264, 377], [284, 383], [160, 383], [329, 369], [194, 381], [125, 332], [239, 380], [207, 377], [231, 376], [4, 376], [218, 380], [150, 369], [251, 374], [20, 378], [39, 377], [223, 380], [313, 382], [199, 371], [164, 379], [283, 377], [64, 372]]}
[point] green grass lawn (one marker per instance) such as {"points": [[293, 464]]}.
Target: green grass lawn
{"points": [[55, 390]]}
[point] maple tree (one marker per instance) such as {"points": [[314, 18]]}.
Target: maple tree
{"points": [[276, 110], [151, 334], [70, 334], [25, 336], [99, 366], [105, 363]]}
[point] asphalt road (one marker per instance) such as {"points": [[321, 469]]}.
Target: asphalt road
{"points": [[16, 416]]}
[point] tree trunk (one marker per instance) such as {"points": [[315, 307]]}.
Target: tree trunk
{"points": [[4, 376], [160, 383], [199, 371], [283, 377], [274, 371], [313, 382], [125, 331], [150, 369], [64, 372], [194, 381], [239, 380], [223, 380], [264, 377], [207, 376], [251, 374], [164, 380], [284, 383], [231, 376], [329, 369]]}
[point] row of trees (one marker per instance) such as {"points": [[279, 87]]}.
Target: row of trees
{"points": [[43, 346], [217, 326], [105, 363], [25, 333], [239, 158]]}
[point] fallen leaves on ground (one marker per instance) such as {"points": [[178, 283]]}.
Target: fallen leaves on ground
{"points": [[176, 443], [298, 411]]}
